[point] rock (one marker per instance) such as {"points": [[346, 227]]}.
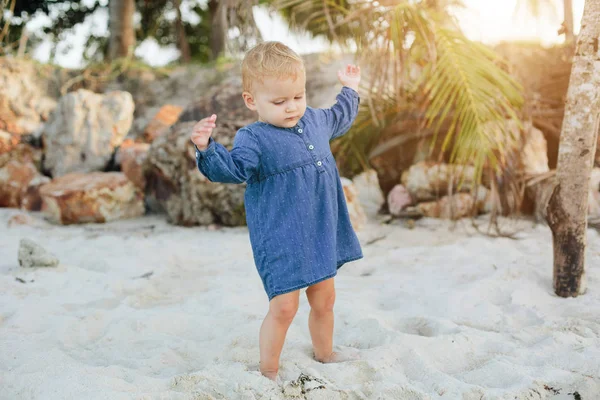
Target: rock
{"points": [[94, 197], [84, 130], [175, 185], [358, 218], [427, 181], [31, 199], [534, 155], [370, 196], [131, 156], [484, 200], [15, 179], [456, 206], [25, 98], [162, 121], [12, 147], [33, 255], [398, 199]]}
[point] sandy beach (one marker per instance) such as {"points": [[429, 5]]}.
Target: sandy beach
{"points": [[140, 309]]}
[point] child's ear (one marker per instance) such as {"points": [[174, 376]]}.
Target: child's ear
{"points": [[249, 100]]}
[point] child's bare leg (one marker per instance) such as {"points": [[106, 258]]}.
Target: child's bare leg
{"points": [[321, 298], [282, 310]]}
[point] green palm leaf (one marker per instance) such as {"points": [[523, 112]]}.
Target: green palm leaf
{"points": [[426, 79]]}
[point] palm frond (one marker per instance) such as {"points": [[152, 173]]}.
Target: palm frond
{"points": [[466, 85]]}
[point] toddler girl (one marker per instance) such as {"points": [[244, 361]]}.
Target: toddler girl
{"points": [[296, 212]]}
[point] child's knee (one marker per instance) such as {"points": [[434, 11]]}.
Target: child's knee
{"points": [[284, 310], [323, 303]]}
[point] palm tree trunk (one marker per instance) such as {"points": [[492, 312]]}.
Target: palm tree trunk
{"points": [[182, 42], [569, 24], [218, 30], [567, 208], [122, 36]]}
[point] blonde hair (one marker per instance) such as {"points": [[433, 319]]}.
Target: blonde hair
{"points": [[270, 59]]}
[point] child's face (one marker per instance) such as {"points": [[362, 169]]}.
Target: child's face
{"points": [[279, 102]]}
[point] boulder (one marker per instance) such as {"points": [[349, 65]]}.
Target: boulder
{"points": [[454, 207], [398, 199], [131, 157], [369, 192], [93, 197], [15, 181], [534, 154], [25, 97], [32, 255], [427, 181], [162, 121], [84, 130], [14, 147], [358, 218], [174, 184], [32, 200]]}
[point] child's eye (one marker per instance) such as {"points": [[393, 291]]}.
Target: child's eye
{"points": [[278, 103], [299, 97]]}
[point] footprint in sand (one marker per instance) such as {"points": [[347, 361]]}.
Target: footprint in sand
{"points": [[427, 327], [367, 333]]}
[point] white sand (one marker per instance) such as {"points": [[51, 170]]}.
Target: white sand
{"points": [[433, 313]]}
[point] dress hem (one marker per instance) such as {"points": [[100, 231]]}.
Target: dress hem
{"points": [[298, 287]]}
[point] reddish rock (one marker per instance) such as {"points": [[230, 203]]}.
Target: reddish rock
{"points": [[398, 199], [162, 121], [31, 199], [14, 181], [12, 148], [131, 156], [93, 197], [457, 206]]}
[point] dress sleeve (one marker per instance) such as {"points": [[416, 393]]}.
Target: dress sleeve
{"points": [[341, 115], [235, 166]]}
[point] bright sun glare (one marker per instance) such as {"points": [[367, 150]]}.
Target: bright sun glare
{"points": [[492, 21]]}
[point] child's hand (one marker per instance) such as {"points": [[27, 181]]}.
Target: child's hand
{"points": [[350, 76], [202, 130]]}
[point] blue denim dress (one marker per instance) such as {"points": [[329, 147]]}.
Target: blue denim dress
{"points": [[297, 217]]}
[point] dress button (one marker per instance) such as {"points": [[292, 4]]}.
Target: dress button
{"points": [[300, 130], [310, 147], [319, 163]]}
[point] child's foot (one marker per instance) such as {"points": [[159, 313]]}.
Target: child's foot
{"points": [[271, 375], [337, 357]]}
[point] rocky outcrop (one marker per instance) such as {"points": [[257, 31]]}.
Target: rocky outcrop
{"points": [[84, 130], [427, 180], [25, 103], [174, 184], [94, 197], [19, 183], [131, 157], [14, 147], [161, 123]]}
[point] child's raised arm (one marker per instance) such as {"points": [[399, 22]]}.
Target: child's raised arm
{"points": [[219, 165], [341, 115]]}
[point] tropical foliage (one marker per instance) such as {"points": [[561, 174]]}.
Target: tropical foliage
{"points": [[427, 79]]}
